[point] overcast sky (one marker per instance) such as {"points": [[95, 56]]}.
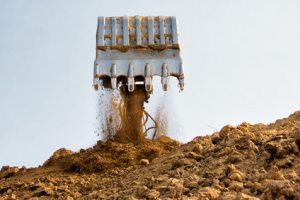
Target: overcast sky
{"points": [[242, 63]]}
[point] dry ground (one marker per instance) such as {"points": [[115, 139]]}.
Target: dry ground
{"points": [[244, 162]]}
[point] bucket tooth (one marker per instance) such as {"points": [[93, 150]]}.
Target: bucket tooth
{"points": [[130, 80], [148, 79], [181, 77], [96, 83], [96, 70], [113, 78], [181, 84], [113, 82], [165, 77]]}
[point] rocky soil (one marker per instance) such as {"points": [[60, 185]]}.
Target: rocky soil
{"points": [[244, 162]]}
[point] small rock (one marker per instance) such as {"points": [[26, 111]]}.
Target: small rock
{"points": [[144, 161], [197, 148], [253, 147], [244, 196], [181, 162], [224, 132], [41, 191], [275, 174], [285, 163], [71, 180], [23, 169], [278, 189], [69, 198], [13, 196], [228, 195], [177, 184], [193, 155], [292, 175], [141, 191], [77, 195], [191, 184], [60, 153], [234, 158], [250, 154], [209, 193], [136, 183], [7, 171], [236, 186], [131, 198], [236, 176], [152, 194], [215, 139], [161, 188]]}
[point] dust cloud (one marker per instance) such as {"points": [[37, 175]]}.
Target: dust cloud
{"points": [[108, 119]]}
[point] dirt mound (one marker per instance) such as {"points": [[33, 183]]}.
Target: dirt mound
{"points": [[109, 155], [244, 162]]}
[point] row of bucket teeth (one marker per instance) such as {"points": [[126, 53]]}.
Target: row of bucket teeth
{"points": [[147, 77]]}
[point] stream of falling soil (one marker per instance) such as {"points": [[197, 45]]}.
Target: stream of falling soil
{"points": [[119, 116]]}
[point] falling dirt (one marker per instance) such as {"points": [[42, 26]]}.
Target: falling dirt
{"points": [[132, 111], [109, 106], [243, 162], [161, 120], [120, 114]]}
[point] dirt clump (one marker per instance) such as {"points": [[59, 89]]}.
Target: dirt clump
{"points": [[243, 162], [60, 153], [7, 171]]}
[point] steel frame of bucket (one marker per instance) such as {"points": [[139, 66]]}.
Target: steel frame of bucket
{"points": [[133, 47]]}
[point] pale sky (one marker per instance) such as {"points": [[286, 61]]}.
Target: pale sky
{"points": [[242, 63]]}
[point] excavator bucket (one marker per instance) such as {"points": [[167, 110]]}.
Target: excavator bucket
{"points": [[131, 50]]}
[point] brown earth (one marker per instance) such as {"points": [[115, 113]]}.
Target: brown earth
{"points": [[131, 110], [244, 162]]}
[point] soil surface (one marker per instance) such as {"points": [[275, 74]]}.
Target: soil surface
{"points": [[244, 162]]}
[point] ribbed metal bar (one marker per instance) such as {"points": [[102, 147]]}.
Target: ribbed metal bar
{"points": [[138, 30], [100, 32], [96, 70], [113, 31], [174, 31], [125, 31], [150, 31], [162, 31]]}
